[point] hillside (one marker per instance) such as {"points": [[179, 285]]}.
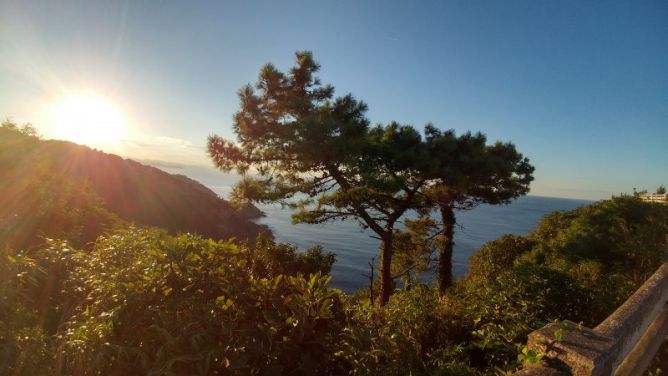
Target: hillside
{"points": [[55, 188]]}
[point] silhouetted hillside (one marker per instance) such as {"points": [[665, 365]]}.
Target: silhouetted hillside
{"points": [[37, 176]]}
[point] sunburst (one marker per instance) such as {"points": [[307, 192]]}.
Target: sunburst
{"points": [[87, 119]]}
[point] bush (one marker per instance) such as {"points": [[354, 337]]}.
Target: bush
{"points": [[268, 259], [411, 335], [612, 233], [142, 302], [23, 346], [509, 305], [498, 255], [595, 244]]}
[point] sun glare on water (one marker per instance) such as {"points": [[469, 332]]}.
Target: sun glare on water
{"points": [[87, 119]]}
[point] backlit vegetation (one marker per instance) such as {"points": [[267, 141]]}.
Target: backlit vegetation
{"points": [[141, 301]]}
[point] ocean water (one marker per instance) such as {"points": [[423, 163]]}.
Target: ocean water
{"points": [[355, 247]]}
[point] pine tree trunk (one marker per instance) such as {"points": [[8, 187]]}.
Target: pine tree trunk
{"points": [[372, 280], [385, 269], [445, 256]]}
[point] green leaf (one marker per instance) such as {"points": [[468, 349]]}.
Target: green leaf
{"points": [[559, 334]]}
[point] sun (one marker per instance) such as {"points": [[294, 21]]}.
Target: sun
{"points": [[87, 119]]}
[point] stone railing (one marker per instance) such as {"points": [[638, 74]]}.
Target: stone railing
{"points": [[623, 344]]}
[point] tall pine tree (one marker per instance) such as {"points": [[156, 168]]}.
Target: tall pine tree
{"points": [[317, 154], [465, 172]]}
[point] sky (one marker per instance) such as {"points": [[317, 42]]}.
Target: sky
{"points": [[580, 87]]}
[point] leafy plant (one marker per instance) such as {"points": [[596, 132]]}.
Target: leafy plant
{"points": [[530, 356]]}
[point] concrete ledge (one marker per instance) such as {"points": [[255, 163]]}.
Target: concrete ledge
{"points": [[630, 321], [539, 370], [624, 343], [642, 354], [581, 351]]}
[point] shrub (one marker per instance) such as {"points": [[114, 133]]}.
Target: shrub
{"points": [[509, 305], [183, 304], [498, 255], [140, 301], [24, 347], [144, 302]]}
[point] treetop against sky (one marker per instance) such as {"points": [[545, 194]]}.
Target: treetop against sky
{"points": [[580, 88]]}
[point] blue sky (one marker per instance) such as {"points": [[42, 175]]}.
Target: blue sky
{"points": [[581, 87]]}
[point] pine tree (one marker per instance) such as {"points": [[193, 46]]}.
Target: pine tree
{"points": [[465, 172], [318, 155]]}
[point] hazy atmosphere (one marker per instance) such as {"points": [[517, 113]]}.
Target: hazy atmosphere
{"points": [[312, 188], [580, 88]]}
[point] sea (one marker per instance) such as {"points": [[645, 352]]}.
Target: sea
{"points": [[355, 247]]}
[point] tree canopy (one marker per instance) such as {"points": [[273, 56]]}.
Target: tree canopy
{"points": [[465, 172], [318, 154]]}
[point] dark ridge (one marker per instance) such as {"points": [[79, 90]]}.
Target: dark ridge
{"points": [[130, 190]]}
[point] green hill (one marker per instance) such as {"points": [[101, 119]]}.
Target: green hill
{"points": [[61, 189]]}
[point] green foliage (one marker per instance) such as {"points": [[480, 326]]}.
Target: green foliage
{"points": [[594, 245], [463, 172], [314, 260], [35, 301], [508, 306], [613, 233], [661, 190], [530, 356], [268, 259], [143, 302], [304, 142], [72, 212], [414, 334], [498, 255], [467, 171], [187, 305], [414, 249], [572, 266]]}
